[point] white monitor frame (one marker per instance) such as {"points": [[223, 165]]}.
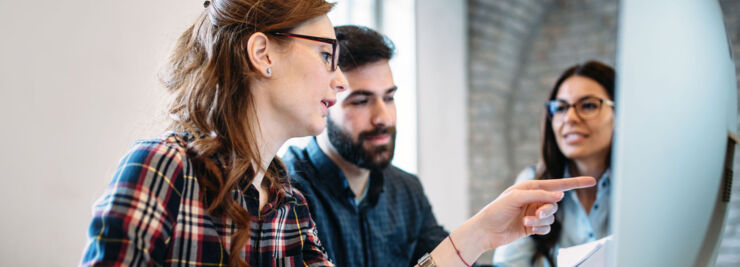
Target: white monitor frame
{"points": [[676, 104]]}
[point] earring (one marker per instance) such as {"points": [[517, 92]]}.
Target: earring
{"points": [[268, 71]]}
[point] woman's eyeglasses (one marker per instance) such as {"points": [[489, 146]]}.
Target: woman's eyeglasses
{"points": [[333, 42], [586, 108]]}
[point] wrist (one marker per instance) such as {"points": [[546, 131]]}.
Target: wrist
{"points": [[426, 261], [471, 240], [473, 236]]}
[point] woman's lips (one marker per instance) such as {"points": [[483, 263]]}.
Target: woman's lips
{"points": [[574, 138], [326, 103]]}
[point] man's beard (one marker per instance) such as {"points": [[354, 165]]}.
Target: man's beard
{"points": [[377, 157]]}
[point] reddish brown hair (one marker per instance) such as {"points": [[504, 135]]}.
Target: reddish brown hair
{"points": [[208, 74]]}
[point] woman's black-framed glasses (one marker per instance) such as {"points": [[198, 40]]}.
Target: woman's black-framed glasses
{"points": [[333, 42], [586, 108]]}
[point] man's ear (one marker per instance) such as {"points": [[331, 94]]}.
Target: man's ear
{"points": [[259, 49]]}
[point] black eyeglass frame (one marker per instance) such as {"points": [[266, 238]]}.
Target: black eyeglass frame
{"points": [[602, 102], [334, 44]]}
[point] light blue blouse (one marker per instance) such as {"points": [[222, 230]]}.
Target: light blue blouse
{"points": [[577, 226]]}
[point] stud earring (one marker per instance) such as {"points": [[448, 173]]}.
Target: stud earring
{"points": [[268, 71]]}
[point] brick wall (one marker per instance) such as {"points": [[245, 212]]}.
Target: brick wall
{"points": [[516, 51], [501, 36]]}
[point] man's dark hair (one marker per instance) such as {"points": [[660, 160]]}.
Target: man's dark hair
{"points": [[361, 45]]}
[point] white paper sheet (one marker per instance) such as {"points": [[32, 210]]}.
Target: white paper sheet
{"points": [[585, 255]]}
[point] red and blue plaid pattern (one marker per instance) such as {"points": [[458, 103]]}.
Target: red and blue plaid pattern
{"points": [[152, 215]]}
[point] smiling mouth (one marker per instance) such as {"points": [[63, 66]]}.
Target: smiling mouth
{"points": [[574, 137]]}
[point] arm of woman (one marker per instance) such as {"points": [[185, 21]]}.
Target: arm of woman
{"points": [[518, 253], [313, 253], [523, 209], [131, 225]]}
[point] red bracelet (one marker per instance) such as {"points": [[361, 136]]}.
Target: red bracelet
{"points": [[458, 252]]}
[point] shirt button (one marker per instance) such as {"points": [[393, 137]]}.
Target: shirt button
{"points": [[590, 234], [596, 207]]}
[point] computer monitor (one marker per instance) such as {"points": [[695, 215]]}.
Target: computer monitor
{"points": [[676, 106]]}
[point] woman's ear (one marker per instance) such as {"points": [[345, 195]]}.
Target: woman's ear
{"points": [[259, 49]]}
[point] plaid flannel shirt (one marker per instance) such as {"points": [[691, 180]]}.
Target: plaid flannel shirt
{"points": [[152, 215]]}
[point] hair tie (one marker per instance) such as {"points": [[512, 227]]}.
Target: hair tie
{"points": [[206, 4]]}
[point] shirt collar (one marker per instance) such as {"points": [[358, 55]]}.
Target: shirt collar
{"points": [[605, 180], [332, 177], [278, 192]]}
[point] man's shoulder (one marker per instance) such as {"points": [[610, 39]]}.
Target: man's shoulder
{"points": [[398, 178], [297, 162], [299, 167], [295, 155], [395, 171]]}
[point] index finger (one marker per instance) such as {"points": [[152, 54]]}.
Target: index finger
{"points": [[559, 185]]}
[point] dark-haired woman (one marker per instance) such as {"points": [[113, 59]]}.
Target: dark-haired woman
{"points": [[578, 128]]}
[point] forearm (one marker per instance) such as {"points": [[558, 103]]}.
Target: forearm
{"points": [[523, 209], [470, 242]]}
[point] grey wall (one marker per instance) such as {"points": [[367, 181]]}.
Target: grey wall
{"points": [[516, 51], [78, 84]]}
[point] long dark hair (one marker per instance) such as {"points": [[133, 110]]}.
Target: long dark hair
{"points": [[209, 74], [553, 161]]}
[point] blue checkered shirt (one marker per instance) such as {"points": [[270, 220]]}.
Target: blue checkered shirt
{"points": [[392, 226]]}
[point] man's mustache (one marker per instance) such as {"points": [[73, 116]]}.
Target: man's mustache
{"points": [[378, 131]]}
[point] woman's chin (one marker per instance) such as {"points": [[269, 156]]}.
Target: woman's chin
{"points": [[312, 128], [573, 154], [316, 128]]}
